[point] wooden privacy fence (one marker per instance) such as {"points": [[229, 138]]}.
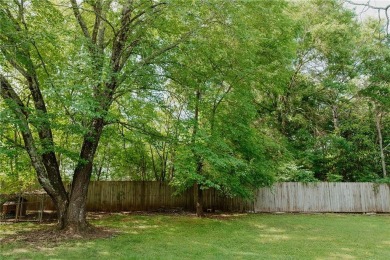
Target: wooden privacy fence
{"points": [[115, 196], [153, 195], [282, 197], [324, 197]]}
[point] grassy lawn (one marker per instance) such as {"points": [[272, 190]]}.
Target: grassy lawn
{"points": [[248, 236]]}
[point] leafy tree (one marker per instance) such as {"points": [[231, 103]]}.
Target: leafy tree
{"points": [[320, 111], [375, 56], [64, 65], [232, 60]]}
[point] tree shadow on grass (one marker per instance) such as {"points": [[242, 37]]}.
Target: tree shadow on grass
{"points": [[49, 236]]}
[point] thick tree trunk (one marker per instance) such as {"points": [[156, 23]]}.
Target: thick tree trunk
{"points": [[75, 221], [72, 213], [71, 210], [62, 209]]}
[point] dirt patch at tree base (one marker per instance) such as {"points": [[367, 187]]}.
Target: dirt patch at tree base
{"points": [[52, 237]]}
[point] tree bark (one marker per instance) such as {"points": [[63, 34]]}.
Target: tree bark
{"points": [[45, 165], [335, 115], [76, 214], [378, 118], [199, 164], [199, 200]]}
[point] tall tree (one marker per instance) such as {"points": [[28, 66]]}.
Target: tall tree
{"points": [[375, 56], [78, 57], [232, 60]]}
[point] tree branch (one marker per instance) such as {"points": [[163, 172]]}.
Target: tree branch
{"points": [[368, 5], [79, 18], [8, 93], [96, 27], [155, 54], [385, 9], [14, 143], [144, 11]]}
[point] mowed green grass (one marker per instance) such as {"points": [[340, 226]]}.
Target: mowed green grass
{"points": [[245, 236]]}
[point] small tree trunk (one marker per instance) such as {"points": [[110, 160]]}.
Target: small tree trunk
{"points": [[199, 164], [199, 201], [380, 140], [335, 114]]}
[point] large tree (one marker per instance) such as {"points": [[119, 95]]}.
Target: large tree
{"points": [[64, 64]]}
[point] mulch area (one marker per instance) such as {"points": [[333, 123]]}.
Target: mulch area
{"points": [[49, 236]]}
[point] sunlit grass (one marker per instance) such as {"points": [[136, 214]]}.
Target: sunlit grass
{"points": [[251, 236]]}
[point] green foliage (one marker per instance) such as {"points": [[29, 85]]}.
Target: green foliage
{"points": [[219, 83], [383, 180], [293, 173], [323, 112], [224, 94]]}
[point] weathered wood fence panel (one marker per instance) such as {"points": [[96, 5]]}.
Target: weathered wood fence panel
{"points": [[151, 195], [115, 196], [324, 197], [134, 195], [282, 197]]}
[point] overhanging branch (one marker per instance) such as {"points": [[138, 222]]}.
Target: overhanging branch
{"points": [[368, 5]]}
